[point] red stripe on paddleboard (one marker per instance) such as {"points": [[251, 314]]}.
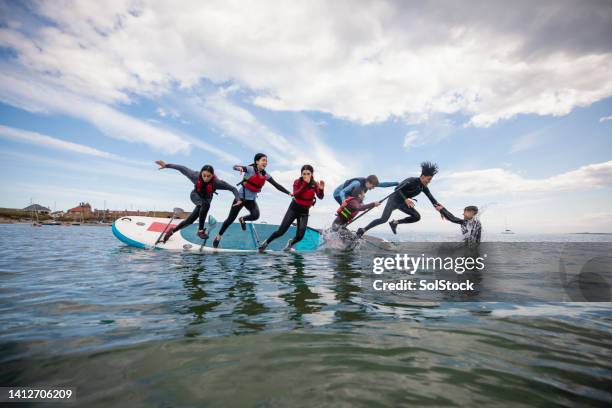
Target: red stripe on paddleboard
{"points": [[160, 227]]}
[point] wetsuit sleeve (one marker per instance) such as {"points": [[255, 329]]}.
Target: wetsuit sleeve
{"points": [[356, 206], [222, 185], [364, 207], [186, 171], [388, 184], [278, 186], [428, 194], [319, 191], [348, 189], [296, 190], [447, 214], [405, 185]]}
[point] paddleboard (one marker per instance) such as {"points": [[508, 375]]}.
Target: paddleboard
{"points": [[143, 232]]}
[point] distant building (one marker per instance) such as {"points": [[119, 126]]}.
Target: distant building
{"points": [[57, 214], [37, 208], [80, 212]]}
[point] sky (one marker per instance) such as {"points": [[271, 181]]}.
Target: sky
{"points": [[514, 103]]}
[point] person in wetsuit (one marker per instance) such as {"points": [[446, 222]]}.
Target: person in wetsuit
{"points": [[366, 183], [254, 178], [305, 192], [205, 184], [471, 228], [350, 207], [402, 199]]}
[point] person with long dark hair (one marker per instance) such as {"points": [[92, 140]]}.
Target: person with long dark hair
{"points": [[402, 199], [205, 184], [253, 179], [305, 193]]}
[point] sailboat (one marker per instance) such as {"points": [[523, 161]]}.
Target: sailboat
{"points": [[506, 229], [35, 212]]}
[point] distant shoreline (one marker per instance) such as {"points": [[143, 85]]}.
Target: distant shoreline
{"points": [[591, 233]]}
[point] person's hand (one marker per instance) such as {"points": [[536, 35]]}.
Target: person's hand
{"points": [[438, 206], [409, 203], [161, 164], [321, 184], [376, 203], [238, 168], [237, 203]]}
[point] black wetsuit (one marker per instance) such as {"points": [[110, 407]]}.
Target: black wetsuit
{"points": [[471, 229], [201, 200], [249, 204], [295, 212], [409, 188]]}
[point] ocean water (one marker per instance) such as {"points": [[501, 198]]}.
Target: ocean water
{"points": [[131, 327]]}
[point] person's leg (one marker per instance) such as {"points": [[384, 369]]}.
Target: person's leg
{"points": [[413, 215], [302, 223], [253, 208], [234, 210], [289, 217], [203, 213], [187, 221], [190, 219], [389, 207]]}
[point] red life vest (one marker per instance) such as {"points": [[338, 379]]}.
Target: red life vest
{"points": [[208, 188], [307, 197], [255, 182], [344, 213]]}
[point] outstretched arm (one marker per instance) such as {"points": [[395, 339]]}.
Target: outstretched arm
{"points": [[447, 214], [348, 189], [186, 171], [278, 186], [388, 184], [434, 202], [222, 185]]}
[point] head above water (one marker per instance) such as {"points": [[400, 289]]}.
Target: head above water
{"points": [[307, 173], [207, 172], [470, 212], [358, 193], [371, 182], [260, 160], [428, 170]]}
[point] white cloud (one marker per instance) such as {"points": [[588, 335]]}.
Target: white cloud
{"points": [[501, 181], [605, 119], [58, 144], [364, 62], [410, 139], [527, 141], [36, 95]]}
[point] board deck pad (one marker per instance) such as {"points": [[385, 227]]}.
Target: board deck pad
{"points": [[143, 232], [235, 238]]}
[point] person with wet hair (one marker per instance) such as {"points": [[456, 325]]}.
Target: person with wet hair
{"points": [[471, 228], [205, 184], [305, 193], [402, 199], [254, 176]]}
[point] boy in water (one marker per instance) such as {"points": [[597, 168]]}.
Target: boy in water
{"points": [[471, 228]]}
